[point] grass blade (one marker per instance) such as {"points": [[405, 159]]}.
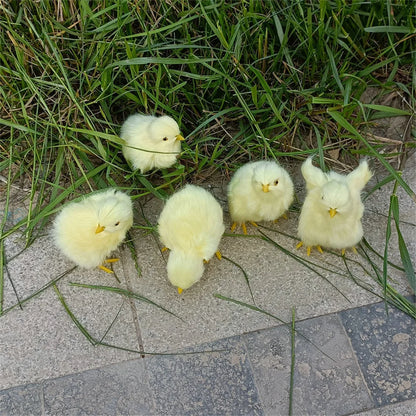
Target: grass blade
{"points": [[292, 363], [301, 261], [344, 123], [404, 253], [125, 292], [96, 342], [72, 316], [389, 29], [244, 273], [39, 291], [256, 309]]}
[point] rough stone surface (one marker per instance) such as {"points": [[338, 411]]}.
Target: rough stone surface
{"points": [[114, 390], [407, 408], [385, 348], [26, 400], [41, 341], [323, 384], [216, 383]]}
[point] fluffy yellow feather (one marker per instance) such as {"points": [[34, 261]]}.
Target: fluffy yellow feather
{"points": [[191, 226], [158, 137], [332, 211], [89, 230], [259, 191]]}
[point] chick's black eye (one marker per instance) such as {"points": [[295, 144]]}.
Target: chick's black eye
{"points": [[276, 182], [117, 223], [165, 139]]}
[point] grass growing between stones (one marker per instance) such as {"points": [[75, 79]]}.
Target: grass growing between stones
{"points": [[245, 81]]}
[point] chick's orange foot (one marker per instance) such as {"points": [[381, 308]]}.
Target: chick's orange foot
{"points": [[111, 260], [106, 269], [284, 216], [309, 248], [354, 250], [243, 226]]}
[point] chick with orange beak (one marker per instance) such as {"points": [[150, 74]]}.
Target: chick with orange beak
{"points": [[150, 142], [89, 230], [259, 191], [332, 211]]}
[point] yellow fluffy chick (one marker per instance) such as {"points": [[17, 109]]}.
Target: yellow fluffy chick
{"points": [[89, 230], [332, 211], [259, 191], [158, 137], [191, 226]]}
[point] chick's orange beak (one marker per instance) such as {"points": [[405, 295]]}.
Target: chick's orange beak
{"points": [[332, 212], [180, 138], [265, 188], [180, 290], [99, 229]]}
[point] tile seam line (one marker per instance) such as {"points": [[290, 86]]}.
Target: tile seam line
{"points": [[42, 398], [40, 382], [253, 374], [356, 360]]}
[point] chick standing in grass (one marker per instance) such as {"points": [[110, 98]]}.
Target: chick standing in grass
{"points": [[259, 191], [332, 211], [151, 142], [89, 230], [191, 226]]}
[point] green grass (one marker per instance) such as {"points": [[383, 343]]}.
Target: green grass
{"points": [[246, 80]]}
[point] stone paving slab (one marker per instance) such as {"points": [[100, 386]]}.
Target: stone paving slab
{"points": [[120, 389], [323, 384], [407, 408], [41, 341], [23, 400], [385, 346], [218, 383], [243, 375]]}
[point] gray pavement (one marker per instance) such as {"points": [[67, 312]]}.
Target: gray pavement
{"points": [[359, 356], [367, 367]]}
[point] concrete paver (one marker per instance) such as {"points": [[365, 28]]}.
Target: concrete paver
{"points": [[217, 383], [24, 400], [407, 408], [243, 375], [323, 384], [120, 389], [384, 343]]}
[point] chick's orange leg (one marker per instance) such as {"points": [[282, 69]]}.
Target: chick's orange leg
{"points": [[233, 226], [299, 245], [218, 254], [106, 269], [308, 250], [319, 248], [111, 260], [243, 226], [354, 250], [253, 223]]}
